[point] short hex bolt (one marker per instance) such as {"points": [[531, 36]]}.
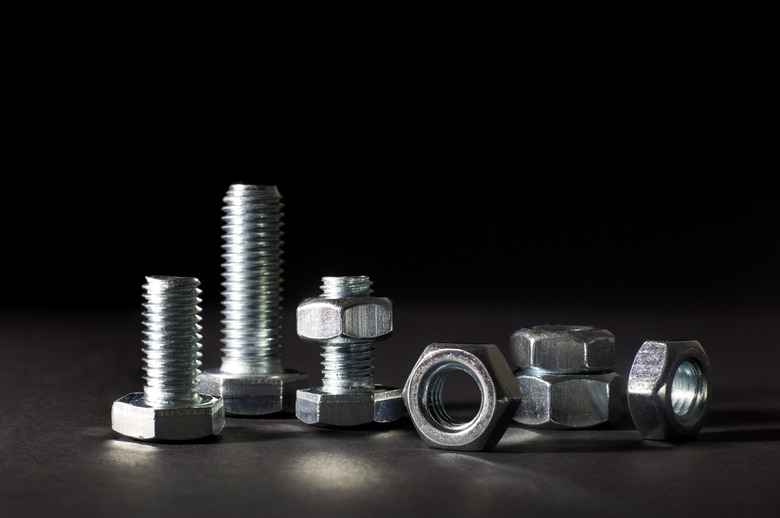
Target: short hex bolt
{"points": [[170, 408], [345, 319], [251, 379]]}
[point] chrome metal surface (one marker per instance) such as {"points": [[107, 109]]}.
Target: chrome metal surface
{"points": [[170, 408], [499, 395], [669, 389], [564, 372], [346, 320], [569, 401], [251, 379], [563, 348]]}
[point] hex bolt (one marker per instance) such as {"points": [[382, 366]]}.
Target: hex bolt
{"points": [[346, 320], [251, 378], [170, 408]]}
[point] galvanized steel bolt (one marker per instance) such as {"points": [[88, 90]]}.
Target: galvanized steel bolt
{"points": [[171, 407], [251, 378], [345, 319]]}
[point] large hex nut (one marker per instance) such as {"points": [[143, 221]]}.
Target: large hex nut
{"points": [[254, 394], [669, 389], [382, 405], [569, 401], [346, 320], [500, 396], [133, 417], [563, 348]]}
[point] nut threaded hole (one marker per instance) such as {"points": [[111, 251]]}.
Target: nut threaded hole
{"points": [[689, 392], [449, 416]]}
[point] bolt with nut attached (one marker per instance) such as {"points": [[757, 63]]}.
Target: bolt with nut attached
{"points": [[170, 408], [345, 319]]}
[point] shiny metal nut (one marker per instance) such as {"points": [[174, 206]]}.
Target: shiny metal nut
{"points": [[669, 389], [316, 407], [563, 348], [133, 417], [349, 319], [569, 401], [254, 394], [500, 396]]}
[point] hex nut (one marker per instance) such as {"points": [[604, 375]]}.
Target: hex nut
{"points": [[382, 405], [669, 389], [569, 401], [500, 396], [563, 348], [345, 320], [254, 394], [133, 417]]}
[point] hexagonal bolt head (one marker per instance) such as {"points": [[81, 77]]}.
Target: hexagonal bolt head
{"points": [[669, 389], [383, 405], [133, 417], [500, 396], [355, 319], [569, 401], [563, 349], [254, 394]]}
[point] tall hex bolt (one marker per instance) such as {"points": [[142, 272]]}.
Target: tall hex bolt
{"points": [[170, 408], [251, 379], [345, 319]]}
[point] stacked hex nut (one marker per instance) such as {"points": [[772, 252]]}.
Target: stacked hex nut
{"points": [[565, 376]]}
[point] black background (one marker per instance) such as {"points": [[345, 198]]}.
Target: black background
{"points": [[568, 233]]}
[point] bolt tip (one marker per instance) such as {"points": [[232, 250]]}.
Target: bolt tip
{"points": [[254, 190]]}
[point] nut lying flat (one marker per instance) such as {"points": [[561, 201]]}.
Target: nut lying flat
{"points": [[563, 348], [500, 396], [669, 389], [558, 401]]}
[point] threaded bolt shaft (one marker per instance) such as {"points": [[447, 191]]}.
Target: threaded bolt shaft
{"points": [[172, 344], [347, 367], [252, 316]]}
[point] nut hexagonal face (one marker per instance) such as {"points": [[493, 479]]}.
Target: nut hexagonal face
{"points": [[254, 394], [346, 320], [500, 396], [569, 401], [669, 389], [133, 417], [563, 348]]}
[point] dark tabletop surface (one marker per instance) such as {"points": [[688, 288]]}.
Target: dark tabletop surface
{"points": [[60, 457]]}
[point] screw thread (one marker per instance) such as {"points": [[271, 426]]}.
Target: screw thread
{"points": [[252, 316], [172, 343], [345, 287], [347, 367]]}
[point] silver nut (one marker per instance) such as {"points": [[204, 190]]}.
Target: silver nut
{"points": [[569, 401], [351, 319], [383, 405], [500, 396], [254, 394], [669, 389], [133, 417], [563, 348]]}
